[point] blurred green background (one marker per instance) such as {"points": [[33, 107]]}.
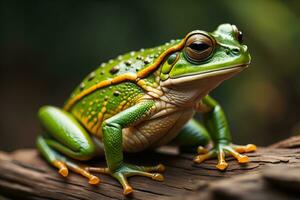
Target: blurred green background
{"points": [[49, 46]]}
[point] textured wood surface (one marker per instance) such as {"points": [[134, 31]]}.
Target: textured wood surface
{"points": [[271, 172]]}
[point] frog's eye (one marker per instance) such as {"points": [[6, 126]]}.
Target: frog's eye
{"points": [[238, 34], [198, 47]]}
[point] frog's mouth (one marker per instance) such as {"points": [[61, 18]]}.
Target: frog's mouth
{"points": [[219, 75]]}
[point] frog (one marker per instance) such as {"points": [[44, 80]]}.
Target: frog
{"points": [[146, 99]]}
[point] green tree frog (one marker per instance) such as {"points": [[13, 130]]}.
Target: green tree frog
{"points": [[145, 99]]}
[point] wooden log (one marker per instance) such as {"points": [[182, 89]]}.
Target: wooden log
{"points": [[288, 143], [25, 175]]}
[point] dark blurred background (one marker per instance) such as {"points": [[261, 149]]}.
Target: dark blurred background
{"points": [[49, 46]]}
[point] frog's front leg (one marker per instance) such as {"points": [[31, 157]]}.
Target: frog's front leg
{"points": [[216, 123], [112, 140]]}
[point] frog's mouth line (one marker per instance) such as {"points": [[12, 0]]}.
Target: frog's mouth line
{"points": [[213, 73]]}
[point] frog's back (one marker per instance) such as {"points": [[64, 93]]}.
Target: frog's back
{"points": [[112, 87], [130, 63]]}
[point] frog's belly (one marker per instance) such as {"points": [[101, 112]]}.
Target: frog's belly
{"points": [[155, 132]]}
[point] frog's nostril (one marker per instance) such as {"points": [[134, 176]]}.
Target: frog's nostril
{"points": [[235, 51]]}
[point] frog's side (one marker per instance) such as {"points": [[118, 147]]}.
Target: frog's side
{"points": [[100, 104], [147, 99]]}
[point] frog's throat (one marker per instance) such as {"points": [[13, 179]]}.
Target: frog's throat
{"points": [[230, 71], [129, 76], [187, 91]]}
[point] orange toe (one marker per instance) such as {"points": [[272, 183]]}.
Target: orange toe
{"points": [[161, 168], [94, 180], [127, 190], [63, 171], [243, 159], [158, 177], [250, 148], [222, 166]]}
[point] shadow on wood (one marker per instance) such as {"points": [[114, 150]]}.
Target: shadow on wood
{"points": [[25, 175]]}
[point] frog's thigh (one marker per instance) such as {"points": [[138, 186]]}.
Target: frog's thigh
{"points": [[193, 134], [63, 163], [67, 135]]}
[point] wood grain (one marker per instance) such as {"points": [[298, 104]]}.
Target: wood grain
{"points": [[25, 175]]}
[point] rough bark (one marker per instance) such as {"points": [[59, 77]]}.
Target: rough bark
{"points": [[273, 173]]}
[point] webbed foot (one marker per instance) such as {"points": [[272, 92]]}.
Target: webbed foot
{"points": [[220, 150], [128, 170]]}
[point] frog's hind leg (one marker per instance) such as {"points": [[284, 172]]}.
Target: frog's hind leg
{"points": [[192, 136], [62, 162], [67, 138]]}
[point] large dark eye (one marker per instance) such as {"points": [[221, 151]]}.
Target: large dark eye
{"points": [[240, 36], [199, 47]]}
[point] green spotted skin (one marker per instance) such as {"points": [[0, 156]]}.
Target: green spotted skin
{"points": [[131, 62], [115, 98], [106, 102]]}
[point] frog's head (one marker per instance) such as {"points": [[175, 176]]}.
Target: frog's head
{"points": [[205, 60]]}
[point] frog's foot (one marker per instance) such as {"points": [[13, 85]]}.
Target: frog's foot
{"points": [[64, 166], [220, 150], [128, 170]]}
